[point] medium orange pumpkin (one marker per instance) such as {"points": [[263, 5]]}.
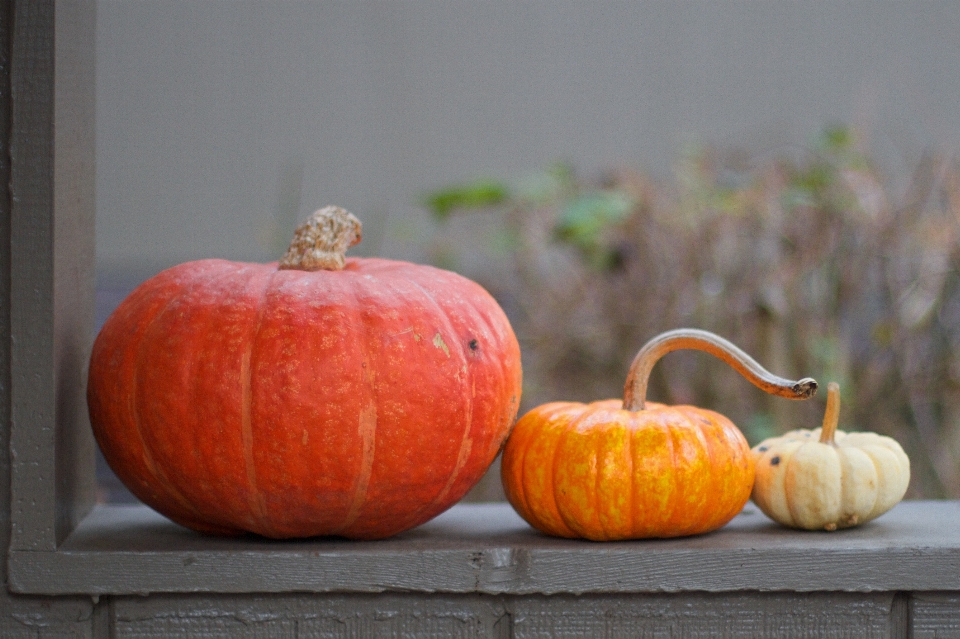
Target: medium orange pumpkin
{"points": [[357, 402], [613, 470]]}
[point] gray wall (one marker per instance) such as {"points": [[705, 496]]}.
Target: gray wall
{"points": [[220, 123]]}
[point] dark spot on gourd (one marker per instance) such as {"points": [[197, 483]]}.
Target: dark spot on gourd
{"points": [[762, 449], [775, 460], [474, 345]]}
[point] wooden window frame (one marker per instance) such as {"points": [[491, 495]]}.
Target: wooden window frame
{"points": [[61, 542]]}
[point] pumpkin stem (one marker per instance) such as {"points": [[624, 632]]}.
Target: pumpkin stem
{"points": [[635, 390], [322, 241], [832, 414]]}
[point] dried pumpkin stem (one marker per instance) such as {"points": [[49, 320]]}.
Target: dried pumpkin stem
{"points": [[322, 241], [635, 390], [832, 414]]}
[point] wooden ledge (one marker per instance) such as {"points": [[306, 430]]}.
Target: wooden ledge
{"points": [[487, 548]]}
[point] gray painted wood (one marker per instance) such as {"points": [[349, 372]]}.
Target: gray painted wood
{"points": [[307, 617], [496, 617], [487, 548], [819, 615], [32, 385], [6, 106], [404, 615], [31, 338], [934, 615], [36, 618], [52, 256], [74, 258]]}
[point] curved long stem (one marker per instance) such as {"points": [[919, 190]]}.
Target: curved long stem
{"points": [[635, 390], [832, 414]]}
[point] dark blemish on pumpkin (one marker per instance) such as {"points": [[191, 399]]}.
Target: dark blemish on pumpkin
{"points": [[474, 345], [775, 460], [704, 420], [762, 449]]}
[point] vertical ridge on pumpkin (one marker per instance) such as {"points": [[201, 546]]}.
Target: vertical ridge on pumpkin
{"points": [[466, 442], [736, 485], [508, 413], [367, 428], [543, 420], [632, 483], [189, 512], [148, 457], [599, 452], [258, 508], [466, 445], [366, 425], [559, 491], [636, 493], [822, 504], [771, 493], [724, 442], [881, 506], [509, 371], [859, 482], [521, 473], [744, 458], [672, 505], [580, 508], [708, 517]]}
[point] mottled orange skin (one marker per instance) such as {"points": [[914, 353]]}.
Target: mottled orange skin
{"points": [[238, 397], [599, 472]]}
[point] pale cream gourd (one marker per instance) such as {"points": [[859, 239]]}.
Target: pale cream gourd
{"points": [[826, 479]]}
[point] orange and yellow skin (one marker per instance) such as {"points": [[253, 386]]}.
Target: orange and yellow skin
{"points": [[600, 472]]}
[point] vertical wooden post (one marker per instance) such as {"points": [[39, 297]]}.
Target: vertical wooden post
{"points": [[52, 259]]}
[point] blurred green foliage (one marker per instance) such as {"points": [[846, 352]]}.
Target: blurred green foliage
{"points": [[813, 264], [479, 194]]}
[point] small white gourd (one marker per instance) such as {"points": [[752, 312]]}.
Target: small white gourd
{"points": [[826, 479]]}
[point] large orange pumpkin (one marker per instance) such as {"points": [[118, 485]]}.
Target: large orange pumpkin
{"points": [[613, 470], [357, 402]]}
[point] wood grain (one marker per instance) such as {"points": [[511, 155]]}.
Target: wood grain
{"points": [[487, 548]]}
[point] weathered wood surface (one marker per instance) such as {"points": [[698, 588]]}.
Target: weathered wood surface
{"points": [[487, 548], [51, 262], [398, 615]]}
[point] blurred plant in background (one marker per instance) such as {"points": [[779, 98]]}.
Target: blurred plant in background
{"points": [[812, 264]]}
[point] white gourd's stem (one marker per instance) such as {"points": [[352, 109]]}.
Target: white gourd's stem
{"points": [[832, 415]]}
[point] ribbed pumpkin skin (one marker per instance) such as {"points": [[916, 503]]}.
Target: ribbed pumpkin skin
{"points": [[804, 483], [599, 472], [236, 397]]}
